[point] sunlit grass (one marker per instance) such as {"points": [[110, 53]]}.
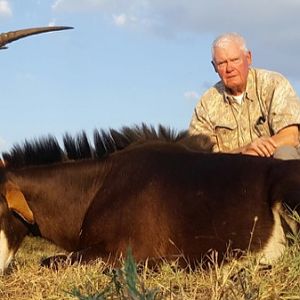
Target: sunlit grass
{"points": [[237, 280]]}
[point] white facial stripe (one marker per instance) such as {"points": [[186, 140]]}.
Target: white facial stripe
{"points": [[6, 254]]}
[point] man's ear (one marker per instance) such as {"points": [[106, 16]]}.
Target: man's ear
{"points": [[17, 202], [215, 68], [249, 57]]}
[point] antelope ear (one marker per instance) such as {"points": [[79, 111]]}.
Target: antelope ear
{"points": [[17, 202]]}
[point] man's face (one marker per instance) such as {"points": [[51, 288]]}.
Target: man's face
{"points": [[232, 65]]}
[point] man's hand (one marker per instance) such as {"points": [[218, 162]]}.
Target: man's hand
{"points": [[263, 146], [266, 146]]}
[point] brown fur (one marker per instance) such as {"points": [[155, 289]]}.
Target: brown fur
{"points": [[162, 199]]}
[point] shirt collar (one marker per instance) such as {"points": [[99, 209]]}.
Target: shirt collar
{"points": [[250, 92]]}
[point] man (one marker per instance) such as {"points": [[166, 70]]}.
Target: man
{"points": [[250, 111]]}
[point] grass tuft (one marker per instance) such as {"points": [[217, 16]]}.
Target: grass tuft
{"points": [[124, 284], [242, 279]]}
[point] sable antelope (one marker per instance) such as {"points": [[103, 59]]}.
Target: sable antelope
{"points": [[12, 36], [158, 195]]}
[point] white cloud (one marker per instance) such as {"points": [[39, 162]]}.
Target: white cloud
{"points": [[269, 26], [191, 95], [175, 16], [120, 20], [5, 9], [80, 5], [124, 20]]}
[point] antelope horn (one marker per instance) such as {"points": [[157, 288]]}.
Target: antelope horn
{"points": [[12, 36]]}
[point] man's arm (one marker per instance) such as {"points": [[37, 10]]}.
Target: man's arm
{"points": [[200, 124], [266, 146]]}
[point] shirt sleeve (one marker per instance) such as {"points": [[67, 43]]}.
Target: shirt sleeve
{"points": [[200, 124], [285, 106]]}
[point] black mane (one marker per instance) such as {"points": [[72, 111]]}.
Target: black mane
{"points": [[46, 150]]}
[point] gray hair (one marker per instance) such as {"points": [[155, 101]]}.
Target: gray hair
{"points": [[223, 40]]}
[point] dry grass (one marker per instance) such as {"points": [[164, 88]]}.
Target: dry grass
{"points": [[238, 280]]}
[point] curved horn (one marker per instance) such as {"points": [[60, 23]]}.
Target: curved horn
{"points": [[12, 36]]}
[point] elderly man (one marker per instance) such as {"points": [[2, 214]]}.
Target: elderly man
{"points": [[250, 111]]}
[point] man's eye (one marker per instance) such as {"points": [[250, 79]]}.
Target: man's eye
{"points": [[235, 60]]}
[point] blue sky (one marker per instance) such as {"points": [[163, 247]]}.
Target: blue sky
{"points": [[128, 61]]}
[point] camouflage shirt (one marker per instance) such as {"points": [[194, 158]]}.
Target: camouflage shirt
{"points": [[269, 105]]}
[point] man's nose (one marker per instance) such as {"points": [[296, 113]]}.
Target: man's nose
{"points": [[229, 66]]}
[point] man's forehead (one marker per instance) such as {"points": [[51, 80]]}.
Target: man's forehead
{"points": [[228, 44], [231, 50]]}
